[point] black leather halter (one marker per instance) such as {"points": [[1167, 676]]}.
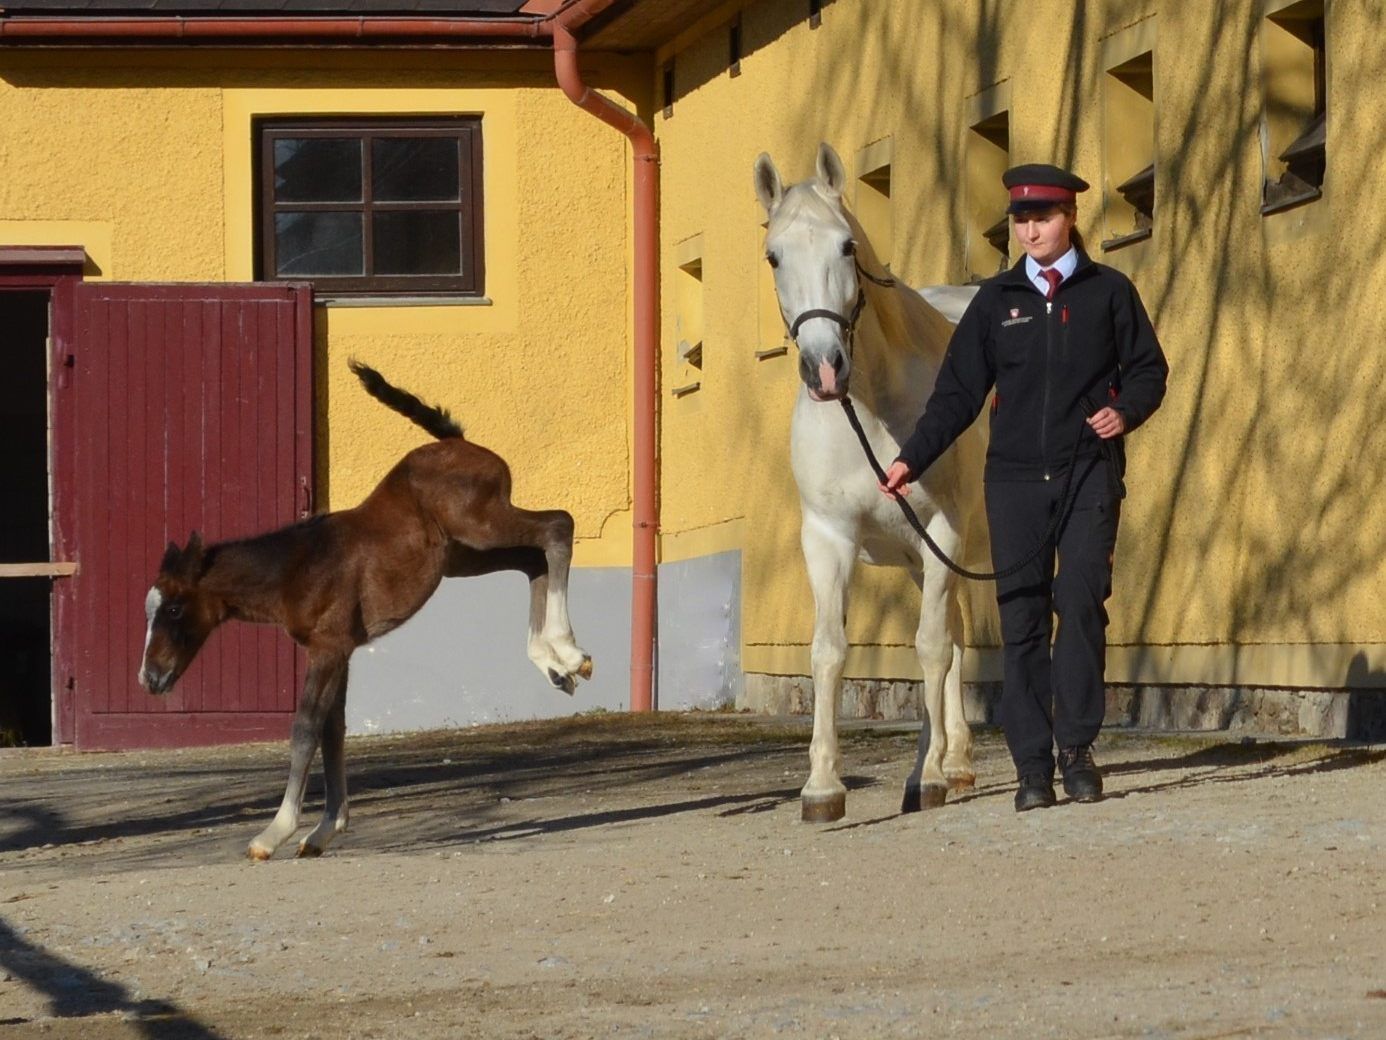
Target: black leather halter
{"points": [[848, 323]]}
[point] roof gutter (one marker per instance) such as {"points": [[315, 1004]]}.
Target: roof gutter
{"points": [[645, 519], [41, 30]]}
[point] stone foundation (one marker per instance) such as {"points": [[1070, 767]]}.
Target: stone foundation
{"points": [[860, 699], [1262, 711]]}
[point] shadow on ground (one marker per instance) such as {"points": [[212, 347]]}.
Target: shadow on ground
{"points": [[501, 783], [72, 991]]}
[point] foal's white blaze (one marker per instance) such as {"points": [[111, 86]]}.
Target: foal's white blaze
{"points": [[152, 602]]}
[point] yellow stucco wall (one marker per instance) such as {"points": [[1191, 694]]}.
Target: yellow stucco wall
{"points": [[1253, 544], [1252, 548], [145, 159]]}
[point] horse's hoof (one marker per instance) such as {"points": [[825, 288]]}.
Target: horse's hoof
{"points": [[259, 853], [962, 782], [585, 669], [566, 683], [923, 796], [823, 808], [306, 851]]}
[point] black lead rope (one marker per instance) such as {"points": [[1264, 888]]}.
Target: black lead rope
{"points": [[849, 324], [913, 519]]}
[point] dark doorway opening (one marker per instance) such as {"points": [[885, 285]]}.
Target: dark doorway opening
{"points": [[26, 682]]}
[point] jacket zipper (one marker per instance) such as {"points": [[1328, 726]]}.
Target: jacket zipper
{"points": [[1044, 414]]}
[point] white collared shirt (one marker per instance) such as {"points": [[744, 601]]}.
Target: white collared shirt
{"points": [[1065, 265]]}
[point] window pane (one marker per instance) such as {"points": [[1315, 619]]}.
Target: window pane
{"points": [[317, 169], [415, 169], [317, 244], [418, 242]]}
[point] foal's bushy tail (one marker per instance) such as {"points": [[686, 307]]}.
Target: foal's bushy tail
{"points": [[435, 420]]}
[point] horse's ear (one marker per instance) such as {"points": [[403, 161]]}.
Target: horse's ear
{"points": [[769, 188], [832, 175], [191, 562], [171, 557]]}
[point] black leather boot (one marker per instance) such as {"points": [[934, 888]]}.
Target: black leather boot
{"points": [[1036, 791], [1082, 779]]}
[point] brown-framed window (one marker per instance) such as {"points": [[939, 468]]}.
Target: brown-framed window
{"points": [[372, 205]]}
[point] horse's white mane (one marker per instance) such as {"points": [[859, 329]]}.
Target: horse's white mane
{"points": [[908, 318], [921, 320]]}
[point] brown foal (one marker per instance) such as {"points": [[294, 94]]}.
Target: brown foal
{"points": [[336, 581]]}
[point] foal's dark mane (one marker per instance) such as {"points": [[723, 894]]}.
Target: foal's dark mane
{"points": [[266, 560]]}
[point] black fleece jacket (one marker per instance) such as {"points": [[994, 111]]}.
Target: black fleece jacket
{"points": [[1052, 365]]}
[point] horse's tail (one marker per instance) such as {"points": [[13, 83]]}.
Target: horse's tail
{"points": [[435, 420]]}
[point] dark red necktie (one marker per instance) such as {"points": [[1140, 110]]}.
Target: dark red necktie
{"points": [[1053, 276]]}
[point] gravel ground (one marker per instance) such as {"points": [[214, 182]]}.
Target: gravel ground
{"points": [[626, 876]]}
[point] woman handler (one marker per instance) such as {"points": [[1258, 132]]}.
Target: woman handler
{"points": [[1072, 355]]}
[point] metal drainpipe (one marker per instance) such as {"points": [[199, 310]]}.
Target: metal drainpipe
{"points": [[646, 517]]}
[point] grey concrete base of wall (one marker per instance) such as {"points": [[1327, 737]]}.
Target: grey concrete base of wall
{"points": [[698, 651], [461, 660], [1259, 711]]}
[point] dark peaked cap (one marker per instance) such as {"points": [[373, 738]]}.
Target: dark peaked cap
{"points": [[1039, 186]]}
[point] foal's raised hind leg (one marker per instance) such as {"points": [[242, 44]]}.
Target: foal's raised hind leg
{"points": [[551, 638], [326, 682], [506, 528], [464, 561], [829, 557]]}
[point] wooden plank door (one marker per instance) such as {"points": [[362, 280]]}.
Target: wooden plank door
{"points": [[177, 408]]}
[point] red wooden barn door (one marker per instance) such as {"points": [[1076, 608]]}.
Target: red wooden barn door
{"points": [[184, 407]]}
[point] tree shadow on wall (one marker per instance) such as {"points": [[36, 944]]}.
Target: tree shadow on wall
{"points": [[1251, 482]]}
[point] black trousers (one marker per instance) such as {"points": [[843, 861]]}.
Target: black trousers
{"points": [[1053, 690]]}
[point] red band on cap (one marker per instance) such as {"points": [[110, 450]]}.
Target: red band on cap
{"points": [[1041, 193]]}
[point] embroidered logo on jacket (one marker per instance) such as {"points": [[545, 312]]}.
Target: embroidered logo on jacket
{"points": [[1016, 318]]}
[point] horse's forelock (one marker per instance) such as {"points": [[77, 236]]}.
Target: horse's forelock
{"points": [[805, 199], [180, 569], [169, 586]]}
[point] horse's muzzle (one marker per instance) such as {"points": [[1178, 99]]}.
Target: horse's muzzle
{"points": [[827, 382], [156, 681]]}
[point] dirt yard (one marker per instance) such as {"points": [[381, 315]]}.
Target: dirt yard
{"points": [[616, 876]]}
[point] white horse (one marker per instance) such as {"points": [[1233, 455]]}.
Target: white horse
{"points": [[887, 342]]}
